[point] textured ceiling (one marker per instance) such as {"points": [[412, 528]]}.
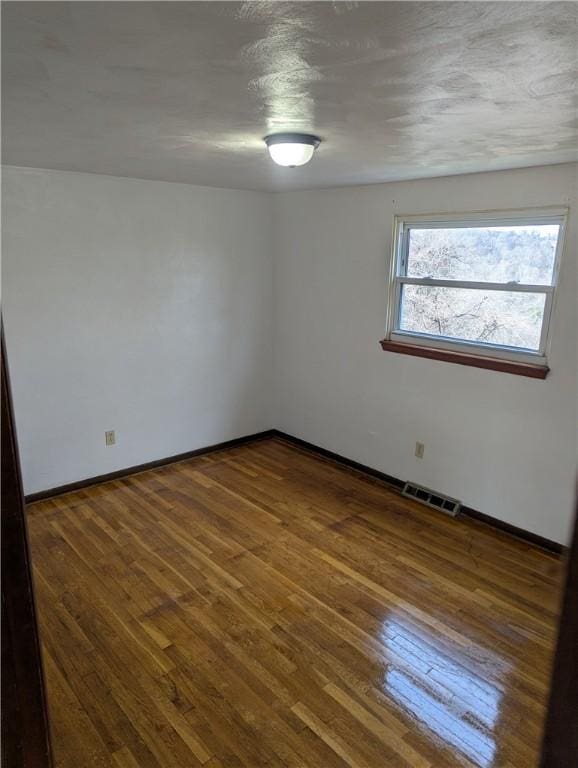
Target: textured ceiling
{"points": [[185, 91]]}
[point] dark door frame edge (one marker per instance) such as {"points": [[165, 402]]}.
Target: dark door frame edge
{"points": [[560, 741], [25, 725]]}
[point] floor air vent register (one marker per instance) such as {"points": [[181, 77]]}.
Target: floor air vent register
{"points": [[432, 498]]}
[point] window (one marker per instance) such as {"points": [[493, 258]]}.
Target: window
{"points": [[476, 285]]}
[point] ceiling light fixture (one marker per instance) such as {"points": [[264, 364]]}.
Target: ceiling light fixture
{"points": [[292, 149]]}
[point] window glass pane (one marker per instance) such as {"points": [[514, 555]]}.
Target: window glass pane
{"points": [[494, 317], [524, 254]]}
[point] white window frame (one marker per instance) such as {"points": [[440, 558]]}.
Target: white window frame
{"points": [[521, 217]]}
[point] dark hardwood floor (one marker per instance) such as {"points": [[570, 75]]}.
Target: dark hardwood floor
{"points": [[264, 607]]}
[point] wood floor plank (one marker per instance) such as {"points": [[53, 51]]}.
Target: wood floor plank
{"points": [[263, 607]]}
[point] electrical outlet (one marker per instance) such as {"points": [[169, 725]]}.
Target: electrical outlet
{"points": [[419, 450], [110, 437]]}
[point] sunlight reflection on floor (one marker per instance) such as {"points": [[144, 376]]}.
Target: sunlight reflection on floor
{"points": [[450, 700]]}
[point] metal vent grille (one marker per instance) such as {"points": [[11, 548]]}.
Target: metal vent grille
{"points": [[432, 498]]}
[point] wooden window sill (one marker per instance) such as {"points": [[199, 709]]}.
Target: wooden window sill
{"points": [[462, 358]]}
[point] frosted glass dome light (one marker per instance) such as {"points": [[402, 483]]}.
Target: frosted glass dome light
{"points": [[291, 149]]}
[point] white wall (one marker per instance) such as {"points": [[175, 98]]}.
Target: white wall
{"points": [[131, 305], [146, 307], [503, 444]]}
